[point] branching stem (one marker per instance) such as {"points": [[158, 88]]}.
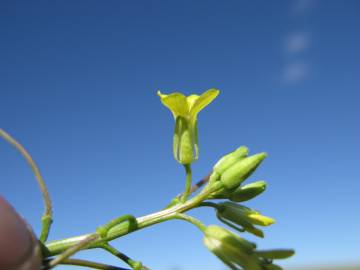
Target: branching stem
{"points": [[59, 246]]}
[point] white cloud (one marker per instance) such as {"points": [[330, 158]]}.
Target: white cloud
{"points": [[297, 42], [295, 72], [303, 6]]}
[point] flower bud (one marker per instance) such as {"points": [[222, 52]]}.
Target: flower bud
{"points": [[233, 250], [225, 237], [275, 253], [230, 159], [239, 171], [229, 212], [248, 191]]}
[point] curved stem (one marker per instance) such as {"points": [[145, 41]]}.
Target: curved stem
{"points": [[186, 193], [103, 230], [47, 216], [201, 226]]}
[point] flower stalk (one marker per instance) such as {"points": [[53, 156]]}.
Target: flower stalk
{"points": [[187, 191]]}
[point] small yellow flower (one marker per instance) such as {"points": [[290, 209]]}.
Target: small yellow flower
{"points": [[185, 110]]}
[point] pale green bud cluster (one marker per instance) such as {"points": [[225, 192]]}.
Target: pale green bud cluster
{"points": [[231, 171], [237, 252]]}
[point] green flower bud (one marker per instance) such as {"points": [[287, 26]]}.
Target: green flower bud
{"points": [[230, 159], [275, 253], [232, 213], [184, 142], [241, 170], [233, 250], [248, 191]]}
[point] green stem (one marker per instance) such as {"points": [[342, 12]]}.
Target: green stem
{"points": [[59, 246], [91, 264], [133, 264], [192, 220], [46, 219], [187, 184], [73, 249]]}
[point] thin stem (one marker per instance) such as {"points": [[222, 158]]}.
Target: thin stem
{"points": [[73, 249], [101, 233], [186, 193], [91, 264], [121, 256], [193, 189], [47, 216], [192, 220]]}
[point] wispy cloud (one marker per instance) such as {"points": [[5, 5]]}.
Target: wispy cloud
{"points": [[295, 72], [303, 6], [297, 42]]}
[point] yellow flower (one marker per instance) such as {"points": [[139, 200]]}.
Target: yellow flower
{"points": [[185, 110]]}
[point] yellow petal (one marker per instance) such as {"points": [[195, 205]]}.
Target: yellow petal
{"points": [[200, 102], [176, 102], [191, 100], [261, 220]]}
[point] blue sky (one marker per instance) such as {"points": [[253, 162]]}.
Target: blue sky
{"points": [[78, 89]]}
